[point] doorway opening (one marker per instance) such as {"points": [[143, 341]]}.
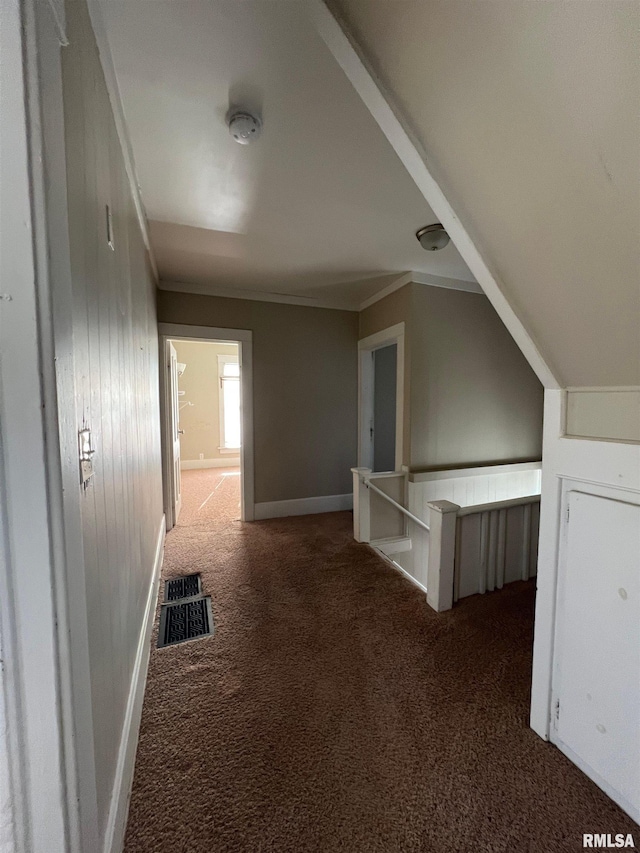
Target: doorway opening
{"points": [[207, 424], [381, 400]]}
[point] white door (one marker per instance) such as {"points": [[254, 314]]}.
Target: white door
{"points": [[597, 681], [176, 484]]}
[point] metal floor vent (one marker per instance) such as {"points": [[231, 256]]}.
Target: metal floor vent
{"points": [[186, 620], [184, 587]]}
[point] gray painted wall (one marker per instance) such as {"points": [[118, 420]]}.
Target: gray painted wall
{"points": [[305, 389], [116, 378], [472, 397]]}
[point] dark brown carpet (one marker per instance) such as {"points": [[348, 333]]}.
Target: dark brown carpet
{"points": [[334, 711]]}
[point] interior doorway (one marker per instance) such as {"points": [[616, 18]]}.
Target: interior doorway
{"points": [[383, 429], [206, 421], [381, 400]]}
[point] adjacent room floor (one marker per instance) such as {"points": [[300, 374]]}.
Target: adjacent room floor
{"points": [[334, 711]]}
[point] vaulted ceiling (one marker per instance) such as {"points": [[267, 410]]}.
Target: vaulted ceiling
{"points": [[319, 207], [529, 114]]}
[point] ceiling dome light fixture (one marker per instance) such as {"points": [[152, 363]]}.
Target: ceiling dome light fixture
{"points": [[432, 237], [244, 127]]}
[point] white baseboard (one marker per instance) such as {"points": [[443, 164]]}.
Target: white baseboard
{"points": [[191, 464], [117, 820], [303, 506]]}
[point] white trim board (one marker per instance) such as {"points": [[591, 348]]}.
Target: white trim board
{"points": [[480, 471], [603, 413], [244, 338], [398, 567], [303, 506], [392, 335], [398, 284], [604, 465], [414, 159], [123, 780], [196, 464]]}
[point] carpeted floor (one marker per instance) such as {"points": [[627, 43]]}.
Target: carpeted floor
{"points": [[334, 711]]}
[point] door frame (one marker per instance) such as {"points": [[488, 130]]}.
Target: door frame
{"points": [[366, 348], [244, 339], [172, 415]]}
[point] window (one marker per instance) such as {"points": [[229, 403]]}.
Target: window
{"points": [[229, 401]]}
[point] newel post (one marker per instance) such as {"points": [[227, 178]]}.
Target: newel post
{"points": [[361, 505], [442, 550]]}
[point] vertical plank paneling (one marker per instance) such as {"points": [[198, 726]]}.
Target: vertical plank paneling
{"points": [[457, 561], [526, 541], [535, 532], [494, 547], [501, 550], [484, 552], [493, 550], [115, 351]]}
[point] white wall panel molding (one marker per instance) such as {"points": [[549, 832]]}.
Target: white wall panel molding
{"points": [[595, 684], [303, 506], [414, 160], [606, 413], [117, 820], [606, 469]]}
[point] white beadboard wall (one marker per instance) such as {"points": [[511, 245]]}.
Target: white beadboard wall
{"points": [[116, 378], [472, 486], [465, 487]]}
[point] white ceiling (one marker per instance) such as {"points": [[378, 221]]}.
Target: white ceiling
{"points": [[529, 114], [319, 207]]}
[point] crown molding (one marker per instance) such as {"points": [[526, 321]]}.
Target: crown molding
{"points": [[425, 279], [405, 278], [442, 281], [252, 295]]}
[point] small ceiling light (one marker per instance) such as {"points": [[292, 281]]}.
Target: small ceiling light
{"points": [[432, 237], [244, 127]]}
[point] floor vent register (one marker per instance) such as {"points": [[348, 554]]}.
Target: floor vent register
{"points": [[186, 613]]}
